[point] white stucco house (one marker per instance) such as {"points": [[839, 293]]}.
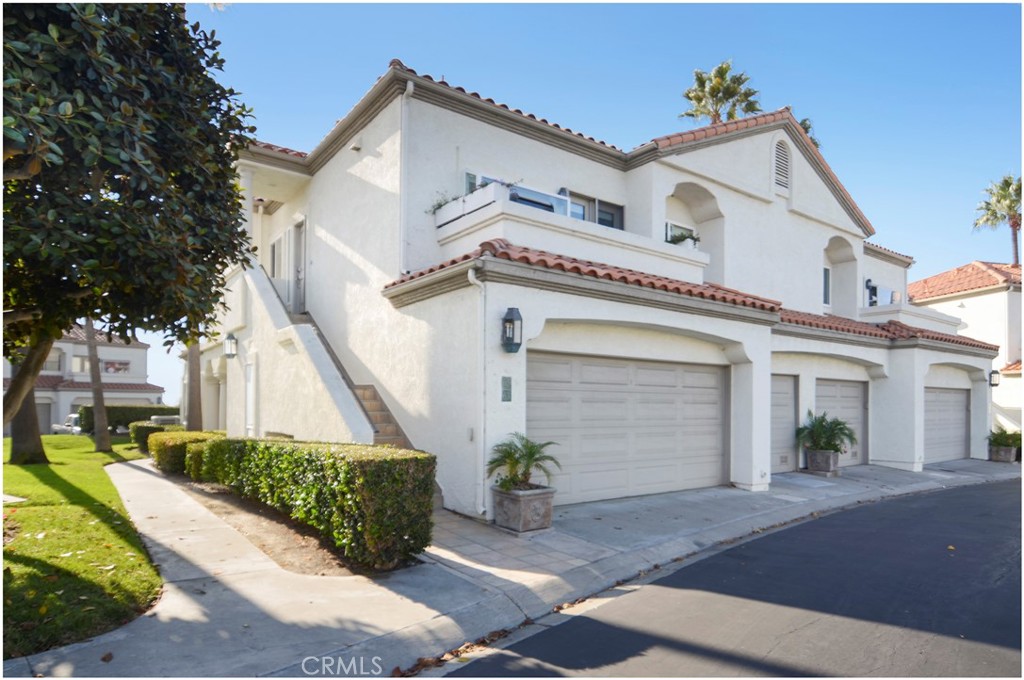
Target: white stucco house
{"points": [[985, 296], [390, 256], [64, 384]]}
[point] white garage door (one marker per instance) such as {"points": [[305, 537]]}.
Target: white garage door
{"points": [[627, 428], [847, 400], [945, 424], [785, 456]]}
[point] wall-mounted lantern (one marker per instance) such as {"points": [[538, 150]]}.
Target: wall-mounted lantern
{"points": [[993, 378], [230, 346], [512, 330]]}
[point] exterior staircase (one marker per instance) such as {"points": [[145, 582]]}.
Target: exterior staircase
{"points": [[386, 428]]}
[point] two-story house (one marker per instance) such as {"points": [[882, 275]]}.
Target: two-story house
{"points": [[64, 383], [443, 270], [985, 296]]}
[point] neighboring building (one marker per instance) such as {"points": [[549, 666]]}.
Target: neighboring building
{"points": [[377, 308], [985, 296], [64, 383]]}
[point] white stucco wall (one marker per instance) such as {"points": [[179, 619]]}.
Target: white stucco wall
{"points": [[993, 316]]}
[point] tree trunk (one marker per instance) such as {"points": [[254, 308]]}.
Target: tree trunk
{"points": [[26, 443], [24, 379], [101, 430], [1014, 233], [194, 416]]}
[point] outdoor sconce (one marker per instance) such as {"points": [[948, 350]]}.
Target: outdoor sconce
{"points": [[230, 346], [512, 330], [993, 378]]}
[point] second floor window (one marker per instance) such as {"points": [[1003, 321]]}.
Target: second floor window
{"points": [[52, 363], [826, 289]]}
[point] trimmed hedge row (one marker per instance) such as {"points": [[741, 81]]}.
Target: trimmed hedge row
{"points": [[374, 502], [140, 431], [124, 416], [169, 448]]}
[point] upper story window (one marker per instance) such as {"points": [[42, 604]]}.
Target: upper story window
{"points": [[79, 364], [782, 166], [53, 361], [826, 288]]}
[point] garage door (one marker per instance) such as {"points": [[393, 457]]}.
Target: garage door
{"points": [[945, 424], [847, 400], [784, 423], [627, 428]]}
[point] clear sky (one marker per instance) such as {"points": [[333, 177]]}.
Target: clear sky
{"points": [[917, 106]]}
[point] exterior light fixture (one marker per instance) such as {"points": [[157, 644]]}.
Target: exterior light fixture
{"points": [[993, 378], [512, 330], [230, 346]]}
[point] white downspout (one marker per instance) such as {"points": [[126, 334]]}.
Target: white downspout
{"points": [[481, 463], [403, 177]]}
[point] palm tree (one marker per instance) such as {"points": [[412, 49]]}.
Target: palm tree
{"points": [[720, 95], [1002, 206], [520, 456], [806, 124]]}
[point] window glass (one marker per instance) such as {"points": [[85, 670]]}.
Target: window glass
{"points": [[79, 364], [827, 286], [52, 362]]}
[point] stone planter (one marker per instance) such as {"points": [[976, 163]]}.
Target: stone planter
{"points": [[523, 510], [1002, 454], [822, 463]]}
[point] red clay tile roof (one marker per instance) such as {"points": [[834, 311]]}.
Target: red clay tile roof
{"points": [[1011, 368], [57, 382], [829, 322], [890, 330], [717, 129], [77, 335], [279, 149], [501, 249], [889, 251], [973, 276], [397, 64]]}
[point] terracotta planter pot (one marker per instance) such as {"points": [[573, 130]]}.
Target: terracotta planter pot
{"points": [[823, 463], [523, 510], [1002, 454]]}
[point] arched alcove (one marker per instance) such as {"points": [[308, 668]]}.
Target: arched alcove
{"points": [[839, 278]]}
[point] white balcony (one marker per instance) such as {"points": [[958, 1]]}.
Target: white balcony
{"points": [[541, 221]]}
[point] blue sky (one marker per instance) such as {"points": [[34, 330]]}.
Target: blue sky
{"points": [[917, 106]]}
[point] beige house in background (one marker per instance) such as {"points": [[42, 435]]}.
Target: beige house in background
{"points": [[985, 296], [674, 310]]}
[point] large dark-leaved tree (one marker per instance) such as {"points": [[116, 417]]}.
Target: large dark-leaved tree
{"points": [[121, 202]]}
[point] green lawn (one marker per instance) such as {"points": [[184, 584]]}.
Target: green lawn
{"points": [[75, 567]]}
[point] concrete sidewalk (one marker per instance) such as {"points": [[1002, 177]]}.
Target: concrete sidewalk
{"points": [[228, 610]]}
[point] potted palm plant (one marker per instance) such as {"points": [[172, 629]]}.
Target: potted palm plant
{"points": [[823, 439], [1003, 445], [519, 504]]}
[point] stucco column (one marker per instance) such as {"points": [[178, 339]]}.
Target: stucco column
{"points": [[980, 416], [750, 433], [897, 413], [245, 177]]}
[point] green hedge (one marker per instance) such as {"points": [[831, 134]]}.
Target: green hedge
{"points": [[169, 448], [124, 416], [374, 502], [140, 431], [194, 452]]}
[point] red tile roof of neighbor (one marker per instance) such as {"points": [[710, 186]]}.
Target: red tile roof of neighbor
{"points": [[57, 382], [77, 334], [1011, 368], [503, 250], [973, 276]]}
